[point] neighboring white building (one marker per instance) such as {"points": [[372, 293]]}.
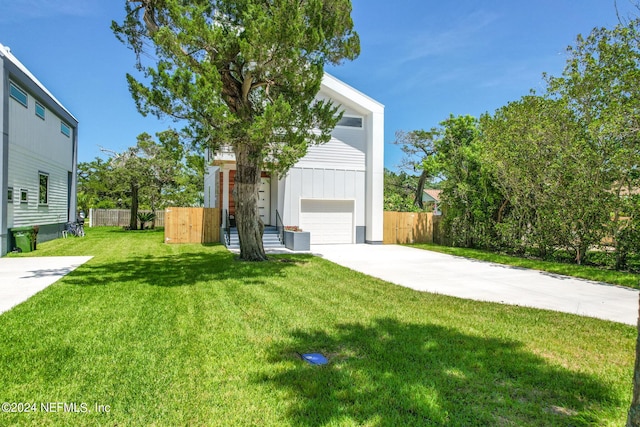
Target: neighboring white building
{"points": [[336, 191], [38, 155]]}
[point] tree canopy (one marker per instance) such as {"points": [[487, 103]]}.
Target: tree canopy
{"points": [[242, 73], [151, 175]]}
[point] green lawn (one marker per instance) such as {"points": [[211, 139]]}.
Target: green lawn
{"points": [[621, 278], [188, 336]]}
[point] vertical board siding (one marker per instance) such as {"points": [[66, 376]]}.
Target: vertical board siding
{"points": [[408, 227], [327, 184], [192, 225]]}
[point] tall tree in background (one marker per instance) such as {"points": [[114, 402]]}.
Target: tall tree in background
{"points": [[550, 175], [419, 156], [243, 73], [152, 175], [601, 83]]}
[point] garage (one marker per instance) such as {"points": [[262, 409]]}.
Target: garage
{"points": [[328, 221]]}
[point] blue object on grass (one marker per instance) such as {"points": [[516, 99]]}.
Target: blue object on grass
{"points": [[315, 358]]}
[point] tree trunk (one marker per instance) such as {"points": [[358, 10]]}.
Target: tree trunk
{"points": [[420, 190], [250, 226], [633, 418], [133, 222]]}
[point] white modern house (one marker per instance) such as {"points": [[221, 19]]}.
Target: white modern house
{"points": [[335, 191], [38, 155]]}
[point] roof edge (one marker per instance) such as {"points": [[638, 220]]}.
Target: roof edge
{"points": [[6, 52]]}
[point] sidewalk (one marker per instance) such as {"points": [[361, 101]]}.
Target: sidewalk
{"points": [[21, 278]]}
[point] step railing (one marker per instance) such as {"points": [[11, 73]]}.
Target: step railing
{"points": [[279, 227], [227, 227]]}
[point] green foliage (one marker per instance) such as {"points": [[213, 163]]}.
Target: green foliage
{"points": [[470, 201], [164, 173], [550, 174], [241, 72], [145, 217], [399, 192], [557, 171]]}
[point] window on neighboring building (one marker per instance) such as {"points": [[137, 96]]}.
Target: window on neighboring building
{"points": [[40, 110], [65, 129], [18, 94], [351, 122], [43, 194], [10, 195], [24, 196]]}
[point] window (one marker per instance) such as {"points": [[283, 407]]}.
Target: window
{"points": [[43, 193], [40, 110], [10, 195], [351, 122], [24, 196], [65, 129], [18, 94]]}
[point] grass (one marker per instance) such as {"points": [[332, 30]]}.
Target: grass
{"points": [[621, 278], [171, 335]]}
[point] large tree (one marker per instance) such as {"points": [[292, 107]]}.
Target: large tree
{"points": [[550, 174], [149, 175], [242, 73]]}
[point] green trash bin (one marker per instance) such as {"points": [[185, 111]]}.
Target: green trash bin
{"points": [[24, 238]]}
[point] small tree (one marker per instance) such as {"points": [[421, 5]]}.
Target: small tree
{"points": [[419, 156], [243, 73]]}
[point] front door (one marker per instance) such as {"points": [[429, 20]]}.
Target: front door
{"points": [[264, 200]]}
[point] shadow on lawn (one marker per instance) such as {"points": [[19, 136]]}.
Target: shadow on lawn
{"points": [[391, 373], [182, 270]]}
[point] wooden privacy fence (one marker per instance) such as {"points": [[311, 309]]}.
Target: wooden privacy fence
{"points": [[117, 218], [192, 225], [408, 227]]}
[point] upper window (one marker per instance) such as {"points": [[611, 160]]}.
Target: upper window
{"points": [[65, 129], [43, 194], [40, 110], [24, 196], [18, 94], [351, 122]]}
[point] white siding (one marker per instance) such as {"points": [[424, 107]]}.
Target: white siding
{"points": [[42, 137], [23, 174], [37, 145], [337, 153]]}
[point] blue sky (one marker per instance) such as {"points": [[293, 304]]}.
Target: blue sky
{"points": [[423, 59]]}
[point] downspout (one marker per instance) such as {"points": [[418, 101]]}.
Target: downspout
{"points": [[4, 158], [73, 205]]}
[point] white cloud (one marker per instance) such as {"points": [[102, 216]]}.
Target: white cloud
{"points": [[462, 34]]}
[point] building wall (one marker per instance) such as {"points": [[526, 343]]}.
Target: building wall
{"points": [[35, 146], [4, 155], [30, 137]]}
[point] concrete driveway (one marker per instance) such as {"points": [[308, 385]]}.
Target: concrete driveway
{"points": [[478, 280], [21, 278]]}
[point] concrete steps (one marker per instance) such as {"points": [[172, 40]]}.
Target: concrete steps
{"points": [[269, 239]]}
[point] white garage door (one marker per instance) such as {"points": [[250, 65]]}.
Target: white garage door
{"points": [[329, 221]]}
